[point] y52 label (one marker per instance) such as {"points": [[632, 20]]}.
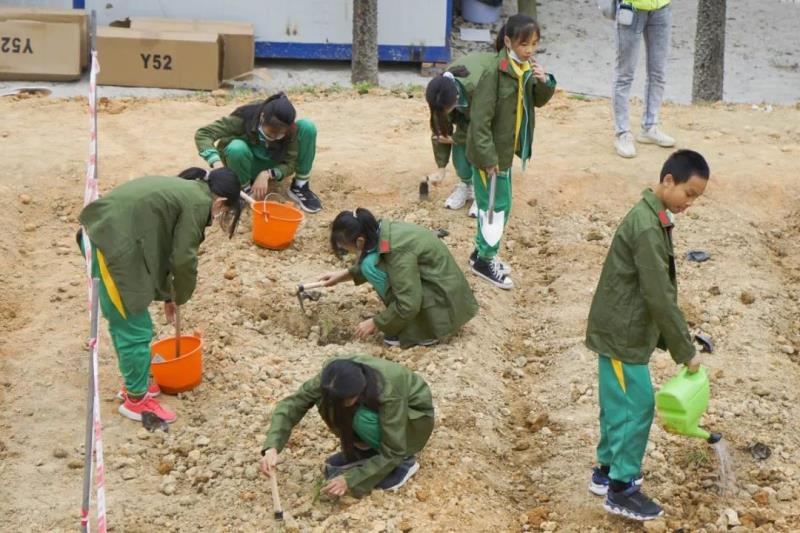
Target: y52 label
{"points": [[16, 45], [157, 61]]}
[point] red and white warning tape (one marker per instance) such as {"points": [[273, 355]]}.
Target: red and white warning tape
{"points": [[89, 195]]}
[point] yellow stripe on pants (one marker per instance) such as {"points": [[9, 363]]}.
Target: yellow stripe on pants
{"points": [[111, 287], [617, 365]]}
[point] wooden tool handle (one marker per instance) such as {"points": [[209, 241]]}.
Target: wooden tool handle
{"points": [[276, 499], [177, 331], [247, 198], [312, 285]]}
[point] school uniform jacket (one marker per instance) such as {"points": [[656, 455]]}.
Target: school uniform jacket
{"points": [[405, 396], [490, 137], [243, 124], [428, 296], [635, 307], [149, 230]]}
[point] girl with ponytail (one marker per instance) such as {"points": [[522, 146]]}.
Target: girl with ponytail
{"points": [[381, 412], [426, 295], [263, 141], [144, 237], [449, 96], [501, 126]]}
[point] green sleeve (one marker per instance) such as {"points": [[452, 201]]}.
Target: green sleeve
{"points": [[290, 411], [355, 273], [480, 138], [187, 236], [406, 284], [651, 258], [393, 420], [543, 92], [206, 137], [289, 165], [441, 152]]}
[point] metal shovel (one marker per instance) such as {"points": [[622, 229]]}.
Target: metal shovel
{"points": [[303, 294]]}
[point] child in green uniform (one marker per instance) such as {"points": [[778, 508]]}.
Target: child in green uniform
{"points": [[634, 310], [501, 125], [381, 411], [262, 141], [426, 295], [144, 237], [449, 96]]}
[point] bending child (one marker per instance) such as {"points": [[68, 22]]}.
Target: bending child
{"points": [[262, 141], [426, 295], [144, 236], [381, 412], [634, 311], [449, 96], [501, 125]]}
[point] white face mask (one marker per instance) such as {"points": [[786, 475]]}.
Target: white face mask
{"points": [[270, 138]]}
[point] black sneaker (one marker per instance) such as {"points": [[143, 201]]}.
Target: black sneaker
{"points": [[337, 464], [599, 483], [632, 503], [490, 271], [309, 202], [398, 477], [391, 340], [505, 268]]}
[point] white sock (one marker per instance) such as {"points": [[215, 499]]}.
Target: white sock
{"points": [[300, 183]]}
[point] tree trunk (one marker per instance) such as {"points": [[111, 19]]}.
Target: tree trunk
{"points": [[527, 7], [709, 51], [365, 42]]}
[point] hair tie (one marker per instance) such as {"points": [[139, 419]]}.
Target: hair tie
{"points": [[207, 173], [355, 212], [448, 74]]}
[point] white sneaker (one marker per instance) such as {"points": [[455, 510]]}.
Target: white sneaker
{"points": [[624, 145], [473, 210], [653, 135], [459, 196]]}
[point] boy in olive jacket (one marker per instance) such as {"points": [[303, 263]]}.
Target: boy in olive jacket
{"points": [[634, 311]]}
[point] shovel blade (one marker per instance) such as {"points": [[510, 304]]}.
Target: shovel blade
{"points": [[492, 226]]}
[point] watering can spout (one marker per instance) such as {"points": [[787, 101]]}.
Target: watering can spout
{"points": [[714, 438]]}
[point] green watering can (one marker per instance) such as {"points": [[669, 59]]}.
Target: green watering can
{"points": [[681, 402]]}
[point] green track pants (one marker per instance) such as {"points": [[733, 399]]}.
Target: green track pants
{"points": [[248, 161], [626, 414], [131, 334], [487, 238]]}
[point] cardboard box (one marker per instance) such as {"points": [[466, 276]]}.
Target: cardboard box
{"points": [[237, 37], [170, 60], [39, 51], [76, 16]]}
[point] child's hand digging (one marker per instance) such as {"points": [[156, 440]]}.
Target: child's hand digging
{"points": [[332, 278], [169, 311], [366, 328], [335, 487], [269, 462], [694, 364]]}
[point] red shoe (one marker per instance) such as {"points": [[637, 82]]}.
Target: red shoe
{"points": [[133, 409], [153, 390]]}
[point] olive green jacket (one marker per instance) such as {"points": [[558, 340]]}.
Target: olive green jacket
{"points": [[149, 230], [490, 138], [405, 396], [212, 139], [459, 117], [428, 296], [635, 308]]}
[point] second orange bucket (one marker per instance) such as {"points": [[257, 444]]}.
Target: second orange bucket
{"points": [[275, 224], [174, 372]]}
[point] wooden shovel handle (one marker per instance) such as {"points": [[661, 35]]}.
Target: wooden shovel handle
{"points": [[312, 285], [276, 499]]}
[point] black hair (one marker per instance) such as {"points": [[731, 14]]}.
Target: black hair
{"points": [[518, 28], [224, 183], [348, 226], [683, 164], [278, 111], [333, 410], [442, 93]]}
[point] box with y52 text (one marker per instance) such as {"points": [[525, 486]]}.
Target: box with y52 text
{"points": [[169, 60], [39, 51], [62, 16]]}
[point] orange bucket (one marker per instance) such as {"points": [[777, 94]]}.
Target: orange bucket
{"points": [[178, 372], [275, 224]]}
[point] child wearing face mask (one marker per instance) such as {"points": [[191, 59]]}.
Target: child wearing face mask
{"points": [[501, 125], [262, 141], [426, 295]]}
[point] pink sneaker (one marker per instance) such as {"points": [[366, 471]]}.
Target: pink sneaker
{"points": [[153, 390], [134, 409]]}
